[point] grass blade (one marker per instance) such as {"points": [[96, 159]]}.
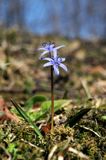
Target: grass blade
{"points": [[75, 119], [27, 118]]}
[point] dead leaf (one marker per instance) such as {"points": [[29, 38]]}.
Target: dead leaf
{"points": [[46, 128], [6, 114]]}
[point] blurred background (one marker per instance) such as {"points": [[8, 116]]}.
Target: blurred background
{"points": [[85, 19], [78, 24]]}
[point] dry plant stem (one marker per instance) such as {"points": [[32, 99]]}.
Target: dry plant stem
{"points": [[52, 100]]}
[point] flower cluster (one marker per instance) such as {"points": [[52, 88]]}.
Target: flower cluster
{"points": [[53, 58]]}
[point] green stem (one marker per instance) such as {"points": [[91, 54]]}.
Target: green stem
{"points": [[52, 100]]}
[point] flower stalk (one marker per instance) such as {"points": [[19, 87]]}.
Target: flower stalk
{"points": [[52, 100]]}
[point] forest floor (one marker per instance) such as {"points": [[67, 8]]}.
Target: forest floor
{"points": [[80, 103]]}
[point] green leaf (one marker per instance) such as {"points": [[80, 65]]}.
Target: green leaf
{"points": [[76, 118], [27, 118], [11, 147], [103, 117], [45, 109], [33, 100]]}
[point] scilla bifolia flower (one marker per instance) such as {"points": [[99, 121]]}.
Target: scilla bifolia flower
{"points": [[48, 48], [54, 61]]}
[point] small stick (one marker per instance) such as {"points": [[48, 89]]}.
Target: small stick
{"points": [[89, 129]]}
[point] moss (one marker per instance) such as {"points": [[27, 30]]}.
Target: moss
{"points": [[21, 137], [60, 134]]}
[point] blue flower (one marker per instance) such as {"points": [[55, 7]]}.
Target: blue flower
{"points": [[56, 62], [48, 48]]}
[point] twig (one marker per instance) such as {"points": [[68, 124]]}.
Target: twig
{"points": [[78, 153], [31, 144], [52, 152], [89, 129], [60, 157]]}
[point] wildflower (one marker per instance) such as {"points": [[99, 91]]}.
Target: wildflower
{"points": [[48, 48], [56, 62]]}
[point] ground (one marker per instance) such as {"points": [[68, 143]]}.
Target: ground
{"points": [[80, 117]]}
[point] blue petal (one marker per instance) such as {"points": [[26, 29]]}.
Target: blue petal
{"points": [[63, 66], [60, 47], [56, 70], [60, 60], [55, 54], [42, 54], [41, 48], [47, 64], [48, 59], [52, 46], [63, 59]]}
